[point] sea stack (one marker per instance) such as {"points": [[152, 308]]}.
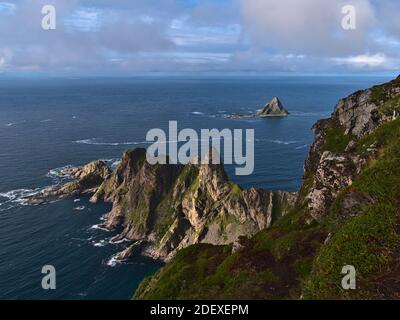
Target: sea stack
{"points": [[273, 109]]}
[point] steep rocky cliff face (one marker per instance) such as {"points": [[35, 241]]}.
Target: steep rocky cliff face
{"points": [[334, 162], [347, 213], [170, 207]]}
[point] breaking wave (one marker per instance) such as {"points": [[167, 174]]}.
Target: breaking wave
{"points": [[95, 142], [59, 175], [13, 198], [113, 261]]}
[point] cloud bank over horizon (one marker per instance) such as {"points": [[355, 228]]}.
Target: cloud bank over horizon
{"points": [[257, 36]]}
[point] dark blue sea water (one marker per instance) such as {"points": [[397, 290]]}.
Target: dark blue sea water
{"points": [[50, 123]]}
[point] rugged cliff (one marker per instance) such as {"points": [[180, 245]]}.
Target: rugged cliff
{"points": [[170, 207], [347, 213]]}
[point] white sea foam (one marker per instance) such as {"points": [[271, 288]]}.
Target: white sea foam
{"points": [[58, 174], [11, 124], [94, 142], [119, 241], [18, 197], [81, 208], [113, 261], [100, 243], [283, 142], [19, 194], [112, 163], [115, 164], [301, 147], [198, 113], [99, 227]]}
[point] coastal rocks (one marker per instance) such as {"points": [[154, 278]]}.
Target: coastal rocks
{"points": [[362, 112], [272, 109], [85, 179], [173, 206], [355, 116], [129, 251], [358, 114], [334, 173]]}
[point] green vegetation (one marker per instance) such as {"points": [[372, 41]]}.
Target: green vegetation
{"points": [[389, 106], [89, 181], [335, 139], [378, 94], [187, 276], [369, 240], [272, 265]]}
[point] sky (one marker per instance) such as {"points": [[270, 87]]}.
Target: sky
{"points": [[128, 37]]}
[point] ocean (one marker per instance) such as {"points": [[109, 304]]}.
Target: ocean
{"points": [[47, 124]]}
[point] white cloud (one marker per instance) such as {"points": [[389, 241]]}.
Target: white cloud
{"points": [[5, 57], [84, 19], [7, 8], [307, 26], [209, 35], [364, 60]]}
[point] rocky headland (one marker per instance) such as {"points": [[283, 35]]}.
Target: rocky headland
{"points": [[165, 208]]}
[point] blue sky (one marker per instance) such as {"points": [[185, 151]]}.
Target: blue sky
{"points": [[131, 37]]}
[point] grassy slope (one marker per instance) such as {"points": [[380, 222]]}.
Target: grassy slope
{"points": [[369, 241], [292, 260]]}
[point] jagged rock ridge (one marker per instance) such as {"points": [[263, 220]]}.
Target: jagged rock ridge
{"points": [[170, 207]]}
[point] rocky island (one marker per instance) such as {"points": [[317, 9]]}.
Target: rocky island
{"points": [[272, 109]]}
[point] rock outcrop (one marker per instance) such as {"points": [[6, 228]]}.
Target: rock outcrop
{"points": [[165, 208], [273, 109], [170, 207], [85, 179], [333, 161]]}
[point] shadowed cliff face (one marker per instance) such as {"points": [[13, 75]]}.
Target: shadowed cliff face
{"points": [[346, 213], [169, 207]]}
